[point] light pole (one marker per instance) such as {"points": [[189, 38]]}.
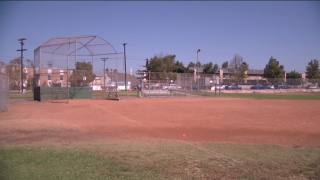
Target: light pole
{"points": [[197, 67], [125, 67], [104, 75]]}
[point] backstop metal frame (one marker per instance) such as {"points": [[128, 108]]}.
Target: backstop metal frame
{"points": [[61, 54]]}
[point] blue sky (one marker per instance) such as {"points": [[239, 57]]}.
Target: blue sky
{"points": [[289, 30]]}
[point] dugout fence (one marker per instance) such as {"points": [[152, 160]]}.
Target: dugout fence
{"points": [[4, 91]]}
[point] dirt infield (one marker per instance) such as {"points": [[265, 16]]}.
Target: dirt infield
{"points": [[286, 122]]}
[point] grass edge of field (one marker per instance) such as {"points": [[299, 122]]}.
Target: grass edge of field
{"points": [[159, 160]]}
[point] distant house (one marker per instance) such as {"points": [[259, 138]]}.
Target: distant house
{"points": [[255, 74], [111, 78], [16, 69], [2, 67], [200, 69]]}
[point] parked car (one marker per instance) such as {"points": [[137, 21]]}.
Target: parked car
{"points": [[218, 87], [282, 86], [232, 87], [258, 86], [196, 88], [312, 87], [172, 87], [134, 87], [270, 87]]}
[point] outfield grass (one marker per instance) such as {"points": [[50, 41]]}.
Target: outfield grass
{"points": [[120, 93], [22, 95], [29, 95], [291, 95], [288, 95], [158, 160], [302, 95]]}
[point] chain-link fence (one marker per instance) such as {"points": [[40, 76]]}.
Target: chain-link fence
{"points": [[55, 84], [60, 84], [4, 91], [189, 84]]}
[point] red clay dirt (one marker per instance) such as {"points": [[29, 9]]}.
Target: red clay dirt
{"points": [[285, 122]]}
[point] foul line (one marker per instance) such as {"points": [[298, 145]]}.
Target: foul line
{"points": [[122, 117], [217, 155], [196, 145]]}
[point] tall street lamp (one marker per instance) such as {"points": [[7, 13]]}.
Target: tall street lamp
{"points": [[125, 67], [197, 67]]}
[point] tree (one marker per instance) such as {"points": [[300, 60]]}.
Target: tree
{"points": [[215, 68], [237, 67], [198, 64], [141, 73], [30, 63], [164, 65], [83, 69], [13, 70], [209, 69], [225, 64], [293, 74], [313, 72], [243, 68], [191, 64], [294, 78], [179, 67], [161, 63], [274, 70]]}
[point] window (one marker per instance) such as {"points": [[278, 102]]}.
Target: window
{"points": [[61, 77], [49, 76]]}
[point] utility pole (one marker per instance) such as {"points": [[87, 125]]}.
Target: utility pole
{"points": [[198, 68], [104, 75], [21, 63], [125, 67]]}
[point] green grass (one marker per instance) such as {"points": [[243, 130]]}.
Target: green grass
{"points": [[4, 110], [120, 93], [29, 95], [290, 95], [203, 93], [305, 96], [158, 160], [22, 95]]}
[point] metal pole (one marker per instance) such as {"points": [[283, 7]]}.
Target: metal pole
{"points": [[125, 67], [92, 72], [117, 76], [104, 75], [68, 73], [20, 87], [219, 86], [198, 68], [149, 82], [21, 63], [40, 76]]}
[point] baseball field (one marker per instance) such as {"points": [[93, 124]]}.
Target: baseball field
{"points": [[161, 138]]}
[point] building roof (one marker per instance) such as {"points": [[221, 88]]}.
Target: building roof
{"points": [[249, 72], [200, 69], [255, 71], [119, 76]]}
